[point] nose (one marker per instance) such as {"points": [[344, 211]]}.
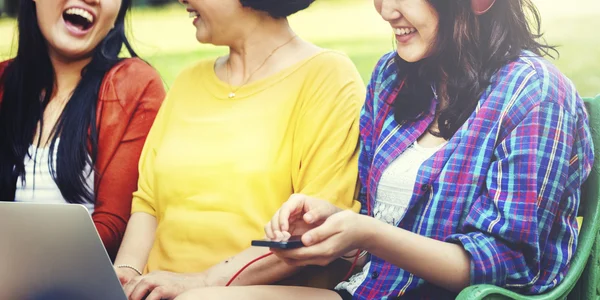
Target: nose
{"points": [[389, 10], [92, 2]]}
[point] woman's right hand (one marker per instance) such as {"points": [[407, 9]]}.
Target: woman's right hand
{"points": [[125, 275], [298, 215]]}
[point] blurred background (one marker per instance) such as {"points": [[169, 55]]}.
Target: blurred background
{"points": [[163, 34]]}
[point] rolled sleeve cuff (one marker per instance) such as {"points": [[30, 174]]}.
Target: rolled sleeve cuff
{"points": [[486, 264]]}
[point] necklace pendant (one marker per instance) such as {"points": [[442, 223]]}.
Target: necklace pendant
{"points": [[231, 95]]}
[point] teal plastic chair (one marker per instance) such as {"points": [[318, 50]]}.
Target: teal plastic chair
{"points": [[583, 279]]}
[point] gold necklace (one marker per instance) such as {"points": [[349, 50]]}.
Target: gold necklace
{"points": [[233, 92]]}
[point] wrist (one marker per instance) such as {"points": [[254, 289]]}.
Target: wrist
{"points": [[201, 279], [351, 256], [369, 229], [130, 268]]}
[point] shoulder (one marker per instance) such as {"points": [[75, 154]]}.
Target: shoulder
{"points": [[531, 81], [331, 75], [330, 58], [196, 70], [3, 66], [382, 82], [385, 70], [383, 79], [330, 66], [129, 80]]}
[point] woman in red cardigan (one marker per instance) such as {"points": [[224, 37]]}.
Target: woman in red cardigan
{"points": [[73, 115]]}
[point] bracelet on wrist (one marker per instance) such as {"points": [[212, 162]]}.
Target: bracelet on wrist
{"points": [[130, 267], [362, 254]]}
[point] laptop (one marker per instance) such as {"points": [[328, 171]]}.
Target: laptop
{"points": [[53, 251]]}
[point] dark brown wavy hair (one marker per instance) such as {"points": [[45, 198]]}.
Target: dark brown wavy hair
{"points": [[468, 51]]}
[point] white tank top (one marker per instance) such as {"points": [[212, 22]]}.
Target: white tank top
{"points": [[39, 185], [394, 191]]}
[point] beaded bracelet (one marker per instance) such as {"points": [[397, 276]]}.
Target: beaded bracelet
{"points": [[130, 267], [362, 253]]}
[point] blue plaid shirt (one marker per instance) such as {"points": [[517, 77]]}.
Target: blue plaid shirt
{"points": [[506, 186]]}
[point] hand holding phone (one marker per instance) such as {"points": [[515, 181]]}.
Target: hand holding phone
{"points": [[293, 242]]}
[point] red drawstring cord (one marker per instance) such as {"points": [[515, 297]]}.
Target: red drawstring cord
{"points": [[246, 266], [353, 265], [271, 253]]}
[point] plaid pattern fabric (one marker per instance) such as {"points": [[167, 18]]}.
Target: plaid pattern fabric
{"points": [[506, 186]]}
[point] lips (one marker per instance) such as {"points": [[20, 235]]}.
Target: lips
{"points": [[193, 14], [78, 20]]}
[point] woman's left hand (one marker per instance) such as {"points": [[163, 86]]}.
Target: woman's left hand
{"points": [[340, 233], [161, 285]]}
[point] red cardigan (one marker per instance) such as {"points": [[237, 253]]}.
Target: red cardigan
{"points": [[129, 98]]}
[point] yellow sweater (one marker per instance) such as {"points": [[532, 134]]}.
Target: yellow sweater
{"points": [[214, 170]]}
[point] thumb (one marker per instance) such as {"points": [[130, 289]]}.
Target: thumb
{"points": [[123, 280], [320, 233], [320, 213]]}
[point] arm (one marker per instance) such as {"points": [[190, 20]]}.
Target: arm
{"points": [[119, 179], [138, 241], [444, 264], [530, 208]]}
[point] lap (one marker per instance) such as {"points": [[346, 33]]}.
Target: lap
{"points": [[259, 292]]}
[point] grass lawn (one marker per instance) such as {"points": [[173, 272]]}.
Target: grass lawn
{"points": [[165, 37]]}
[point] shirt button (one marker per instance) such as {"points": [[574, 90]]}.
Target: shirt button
{"points": [[425, 187], [374, 275]]}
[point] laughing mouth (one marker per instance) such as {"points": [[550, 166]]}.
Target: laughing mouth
{"points": [[404, 31], [79, 18]]}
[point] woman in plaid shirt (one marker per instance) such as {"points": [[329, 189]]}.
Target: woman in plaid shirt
{"points": [[474, 149]]}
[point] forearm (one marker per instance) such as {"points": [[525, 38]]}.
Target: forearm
{"points": [[138, 241], [444, 264], [265, 271]]}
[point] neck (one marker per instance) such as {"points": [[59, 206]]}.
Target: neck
{"points": [[257, 44], [67, 74]]}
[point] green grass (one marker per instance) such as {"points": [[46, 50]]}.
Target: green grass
{"points": [[165, 37]]}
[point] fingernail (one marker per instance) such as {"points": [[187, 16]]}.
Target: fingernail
{"points": [[308, 218], [286, 235], [308, 239], [278, 236]]}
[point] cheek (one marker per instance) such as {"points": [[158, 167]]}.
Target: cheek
{"points": [[431, 26], [378, 4], [429, 34], [47, 16], [111, 11]]}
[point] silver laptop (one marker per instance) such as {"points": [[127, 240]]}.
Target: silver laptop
{"points": [[53, 251]]}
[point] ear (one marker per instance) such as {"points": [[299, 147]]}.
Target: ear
{"points": [[480, 7]]}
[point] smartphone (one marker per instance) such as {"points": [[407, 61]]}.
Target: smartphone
{"points": [[293, 242]]}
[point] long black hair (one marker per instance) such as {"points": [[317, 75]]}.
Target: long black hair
{"points": [[468, 51], [28, 84]]}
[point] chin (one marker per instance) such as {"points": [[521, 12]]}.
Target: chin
{"points": [[411, 56], [74, 54], [202, 38]]}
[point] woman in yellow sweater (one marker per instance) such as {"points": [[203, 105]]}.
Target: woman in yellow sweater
{"points": [[235, 138]]}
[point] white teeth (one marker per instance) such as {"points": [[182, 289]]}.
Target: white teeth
{"points": [[82, 13], [194, 14], [404, 31]]}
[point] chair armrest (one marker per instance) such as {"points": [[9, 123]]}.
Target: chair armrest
{"points": [[487, 291]]}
